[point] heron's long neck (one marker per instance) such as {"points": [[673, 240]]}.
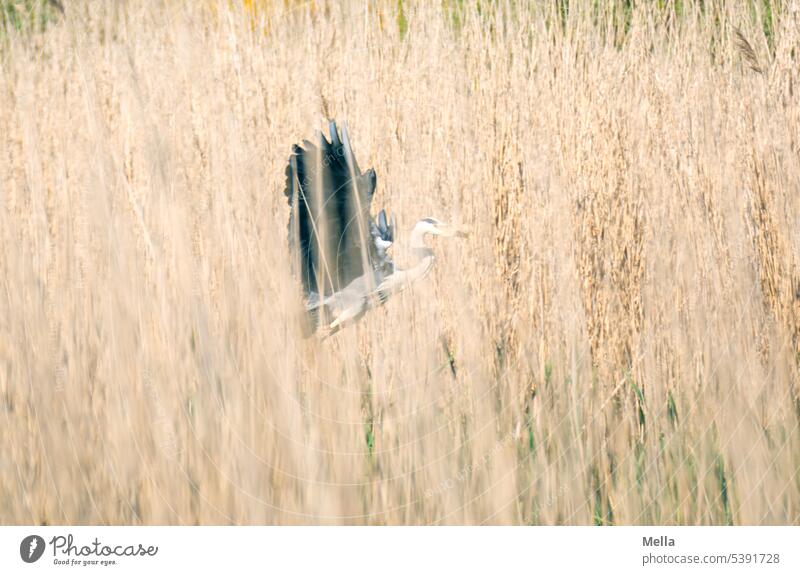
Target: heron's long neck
{"points": [[417, 242], [402, 278], [421, 252], [421, 268]]}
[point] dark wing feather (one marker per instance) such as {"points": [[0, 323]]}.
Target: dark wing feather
{"points": [[382, 225], [329, 227]]}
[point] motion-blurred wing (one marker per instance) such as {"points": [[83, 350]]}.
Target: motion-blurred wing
{"points": [[330, 225]]}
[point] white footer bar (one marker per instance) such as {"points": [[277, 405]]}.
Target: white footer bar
{"points": [[387, 550]]}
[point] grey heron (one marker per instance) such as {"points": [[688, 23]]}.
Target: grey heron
{"points": [[341, 252]]}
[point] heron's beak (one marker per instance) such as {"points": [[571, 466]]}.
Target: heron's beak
{"points": [[451, 231]]}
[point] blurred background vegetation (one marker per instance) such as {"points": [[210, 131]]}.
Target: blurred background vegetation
{"points": [[34, 15], [28, 15]]}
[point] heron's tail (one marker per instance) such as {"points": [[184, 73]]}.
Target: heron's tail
{"points": [[315, 314], [308, 323]]}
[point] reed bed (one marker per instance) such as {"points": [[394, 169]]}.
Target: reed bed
{"points": [[616, 343]]}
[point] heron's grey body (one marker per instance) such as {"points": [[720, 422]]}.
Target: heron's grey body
{"points": [[351, 302], [341, 253]]}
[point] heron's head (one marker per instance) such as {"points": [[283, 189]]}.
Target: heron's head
{"points": [[439, 228]]}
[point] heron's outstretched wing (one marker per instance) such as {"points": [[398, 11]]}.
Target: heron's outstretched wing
{"points": [[330, 230]]}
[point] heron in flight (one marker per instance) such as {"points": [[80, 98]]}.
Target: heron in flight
{"points": [[341, 252]]}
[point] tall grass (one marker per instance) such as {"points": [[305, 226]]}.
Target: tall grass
{"points": [[616, 343]]}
